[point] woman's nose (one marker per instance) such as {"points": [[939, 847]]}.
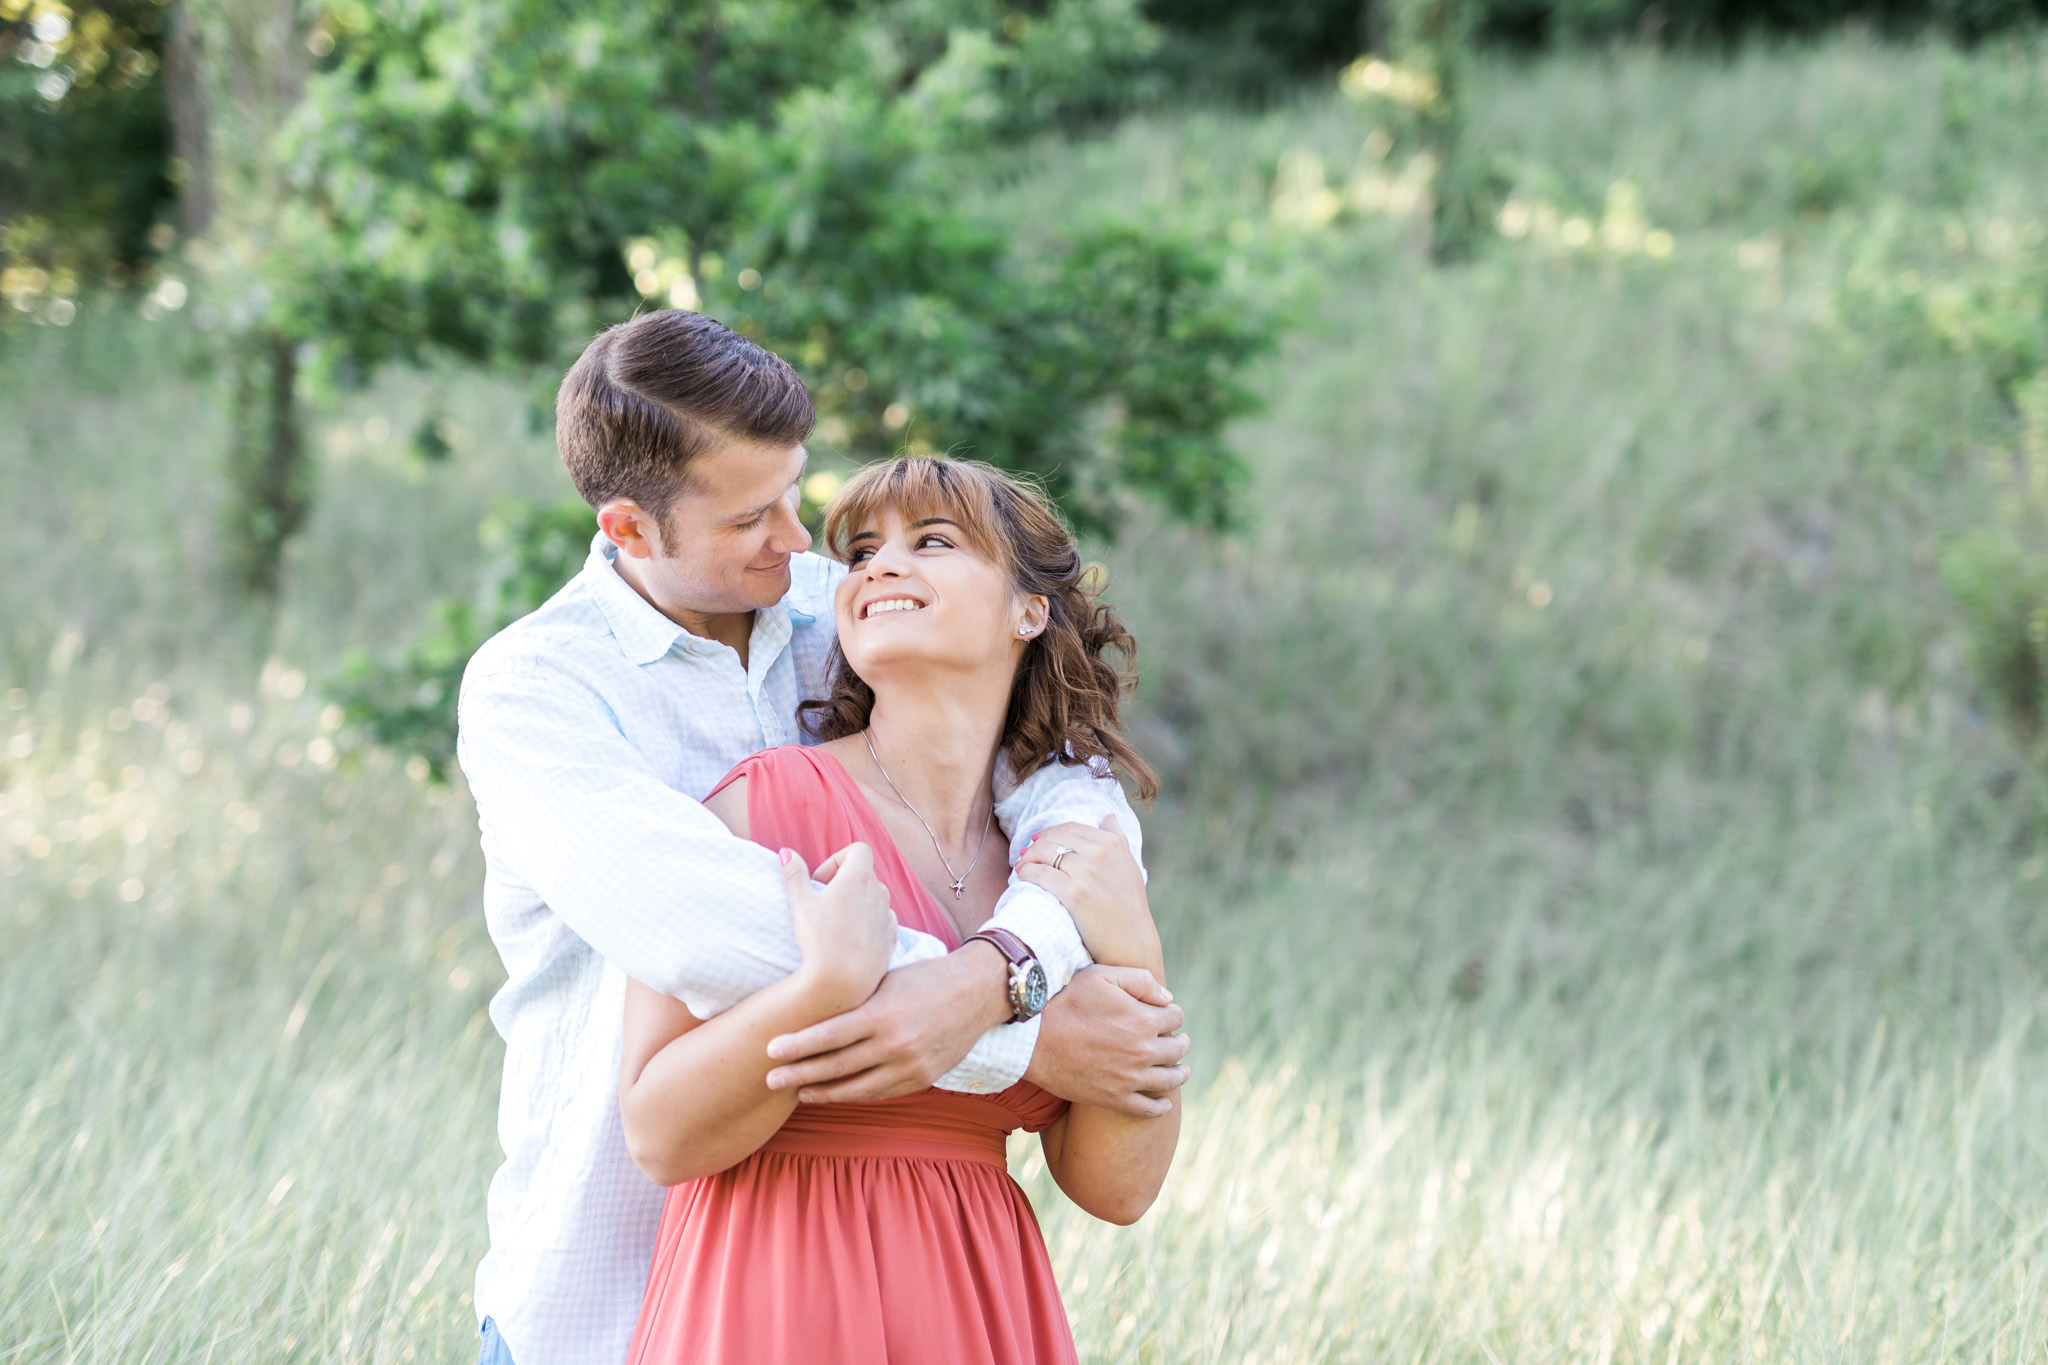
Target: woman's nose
{"points": [[887, 562]]}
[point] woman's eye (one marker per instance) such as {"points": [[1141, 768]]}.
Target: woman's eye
{"points": [[934, 539], [858, 557]]}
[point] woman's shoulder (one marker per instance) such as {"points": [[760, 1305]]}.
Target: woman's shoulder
{"points": [[795, 798], [783, 767]]}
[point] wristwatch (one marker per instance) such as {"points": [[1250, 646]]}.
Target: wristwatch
{"points": [[1028, 990]]}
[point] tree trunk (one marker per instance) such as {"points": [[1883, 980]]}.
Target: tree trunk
{"points": [[268, 472], [185, 92]]}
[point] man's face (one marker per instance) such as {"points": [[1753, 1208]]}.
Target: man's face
{"points": [[726, 545]]}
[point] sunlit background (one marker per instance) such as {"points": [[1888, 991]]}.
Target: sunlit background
{"points": [[1578, 473]]}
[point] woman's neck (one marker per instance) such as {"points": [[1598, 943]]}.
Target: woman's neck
{"points": [[937, 747]]}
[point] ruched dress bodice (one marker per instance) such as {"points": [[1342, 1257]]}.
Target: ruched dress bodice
{"points": [[864, 1234]]}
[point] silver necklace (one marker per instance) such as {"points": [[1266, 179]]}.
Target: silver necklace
{"points": [[960, 880]]}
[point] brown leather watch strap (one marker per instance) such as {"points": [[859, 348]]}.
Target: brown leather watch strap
{"points": [[1006, 943]]}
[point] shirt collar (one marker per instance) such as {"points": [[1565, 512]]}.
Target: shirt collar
{"points": [[644, 634]]}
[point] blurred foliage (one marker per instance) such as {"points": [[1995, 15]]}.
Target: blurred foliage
{"points": [[1999, 575], [497, 183], [268, 472], [1262, 46], [85, 175], [408, 703]]}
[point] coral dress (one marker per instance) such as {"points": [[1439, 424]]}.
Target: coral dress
{"points": [[865, 1233]]}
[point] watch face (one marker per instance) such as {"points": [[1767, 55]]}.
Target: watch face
{"points": [[1032, 990]]}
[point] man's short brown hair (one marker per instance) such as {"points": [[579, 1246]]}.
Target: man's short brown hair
{"points": [[651, 394]]}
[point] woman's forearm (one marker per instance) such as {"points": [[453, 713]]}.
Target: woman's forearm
{"points": [[1110, 1164], [702, 1102]]}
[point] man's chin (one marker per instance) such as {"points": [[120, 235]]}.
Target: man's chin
{"points": [[768, 586]]}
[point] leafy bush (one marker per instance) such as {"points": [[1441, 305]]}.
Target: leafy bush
{"points": [[408, 703], [1999, 577], [1260, 45], [84, 149]]}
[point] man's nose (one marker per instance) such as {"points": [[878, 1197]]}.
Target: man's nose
{"points": [[791, 535]]}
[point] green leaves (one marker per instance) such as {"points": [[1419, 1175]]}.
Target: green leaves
{"points": [[408, 703], [1998, 575], [478, 182], [496, 183]]}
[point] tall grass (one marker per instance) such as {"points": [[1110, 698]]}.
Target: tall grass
{"points": [[1608, 912]]}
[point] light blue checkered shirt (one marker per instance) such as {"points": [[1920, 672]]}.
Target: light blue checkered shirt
{"points": [[590, 732]]}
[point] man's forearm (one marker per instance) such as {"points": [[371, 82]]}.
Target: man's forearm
{"points": [[1002, 1053]]}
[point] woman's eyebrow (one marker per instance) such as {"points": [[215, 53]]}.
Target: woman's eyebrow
{"points": [[937, 521]]}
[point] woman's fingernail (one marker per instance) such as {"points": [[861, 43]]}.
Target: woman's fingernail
{"points": [[787, 854], [1167, 993]]}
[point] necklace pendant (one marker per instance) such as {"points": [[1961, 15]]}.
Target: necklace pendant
{"points": [[959, 888]]}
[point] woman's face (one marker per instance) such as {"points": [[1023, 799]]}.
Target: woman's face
{"points": [[919, 596]]}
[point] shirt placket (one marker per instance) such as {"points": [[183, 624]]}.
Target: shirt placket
{"points": [[765, 651]]}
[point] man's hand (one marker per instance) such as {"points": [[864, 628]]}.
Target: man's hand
{"points": [[913, 1030], [1108, 1040]]}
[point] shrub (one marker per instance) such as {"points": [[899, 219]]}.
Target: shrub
{"points": [[408, 703], [1999, 577]]}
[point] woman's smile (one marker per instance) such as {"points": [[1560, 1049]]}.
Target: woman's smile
{"points": [[882, 605]]}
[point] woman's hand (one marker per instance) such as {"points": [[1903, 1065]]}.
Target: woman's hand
{"points": [[1096, 878], [847, 932]]}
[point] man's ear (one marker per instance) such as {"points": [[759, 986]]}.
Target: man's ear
{"points": [[628, 526]]}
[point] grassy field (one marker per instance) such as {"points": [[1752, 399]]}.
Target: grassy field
{"points": [[1609, 912]]}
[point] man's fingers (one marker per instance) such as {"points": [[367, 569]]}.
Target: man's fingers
{"points": [[1140, 984], [841, 1030], [1168, 1051], [824, 1068], [1141, 1106], [1163, 1080], [875, 1083]]}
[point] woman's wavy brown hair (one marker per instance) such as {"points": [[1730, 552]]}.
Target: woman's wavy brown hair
{"points": [[1067, 692]]}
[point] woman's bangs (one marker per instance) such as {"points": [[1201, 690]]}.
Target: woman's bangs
{"points": [[915, 488]]}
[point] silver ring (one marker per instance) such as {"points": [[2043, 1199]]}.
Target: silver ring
{"points": [[1058, 854]]}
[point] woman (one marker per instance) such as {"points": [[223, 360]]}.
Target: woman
{"points": [[892, 1231]]}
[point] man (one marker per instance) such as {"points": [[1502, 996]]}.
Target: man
{"points": [[589, 731]]}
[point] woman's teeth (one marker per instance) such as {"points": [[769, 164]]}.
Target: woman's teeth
{"points": [[891, 604]]}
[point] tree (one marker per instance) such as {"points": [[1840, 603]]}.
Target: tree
{"points": [[85, 189], [494, 183]]}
